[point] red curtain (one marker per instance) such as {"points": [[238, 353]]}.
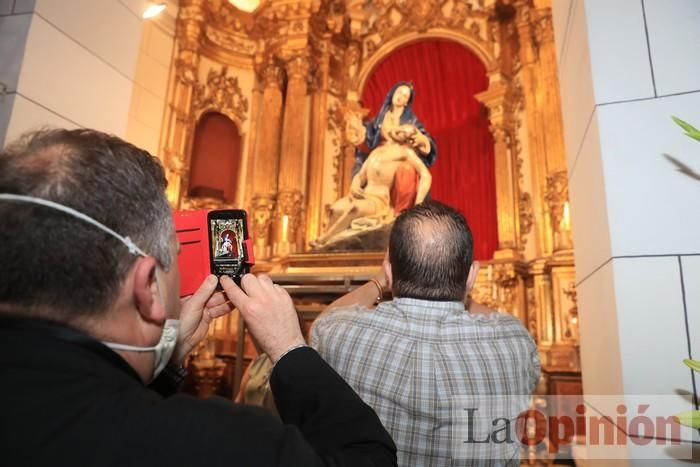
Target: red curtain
{"points": [[446, 75], [216, 154]]}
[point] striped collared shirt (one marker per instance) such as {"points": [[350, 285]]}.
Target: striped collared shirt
{"points": [[413, 360]]}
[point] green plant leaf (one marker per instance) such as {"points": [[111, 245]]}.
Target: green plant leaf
{"points": [[692, 364], [689, 129], [685, 125], [695, 136], [690, 418]]}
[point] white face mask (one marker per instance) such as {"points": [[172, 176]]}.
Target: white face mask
{"points": [[165, 347], [163, 350]]}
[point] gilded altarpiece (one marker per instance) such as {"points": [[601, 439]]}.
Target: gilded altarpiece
{"points": [[287, 73]]}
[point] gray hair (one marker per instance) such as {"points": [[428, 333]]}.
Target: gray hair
{"points": [[52, 261]]}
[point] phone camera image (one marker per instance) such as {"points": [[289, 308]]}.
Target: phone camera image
{"points": [[227, 237]]}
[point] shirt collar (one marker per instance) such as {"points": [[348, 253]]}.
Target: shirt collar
{"points": [[448, 306]]}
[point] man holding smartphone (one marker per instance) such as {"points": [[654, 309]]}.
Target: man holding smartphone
{"points": [[89, 324]]}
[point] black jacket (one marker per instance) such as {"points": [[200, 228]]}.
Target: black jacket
{"points": [[66, 399]]}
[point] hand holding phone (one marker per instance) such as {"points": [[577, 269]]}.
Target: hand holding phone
{"points": [[269, 313], [230, 249]]}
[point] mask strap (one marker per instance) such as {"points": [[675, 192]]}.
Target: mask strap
{"points": [[133, 249], [130, 348]]}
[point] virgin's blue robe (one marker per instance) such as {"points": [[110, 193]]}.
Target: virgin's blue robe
{"points": [[374, 134]]}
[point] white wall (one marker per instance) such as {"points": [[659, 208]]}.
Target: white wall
{"points": [[625, 67], [149, 94], [14, 27], [74, 64]]}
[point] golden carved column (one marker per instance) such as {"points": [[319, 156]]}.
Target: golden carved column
{"points": [[266, 162], [537, 149], [319, 118], [557, 180], [256, 116], [288, 212], [189, 31], [564, 351], [553, 273], [500, 101], [545, 128], [352, 59]]}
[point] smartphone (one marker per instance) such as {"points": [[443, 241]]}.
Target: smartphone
{"points": [[230, 249]]}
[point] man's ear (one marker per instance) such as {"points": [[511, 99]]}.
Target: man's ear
{"points": [[146, 295], [471, 277], [387, 270]]}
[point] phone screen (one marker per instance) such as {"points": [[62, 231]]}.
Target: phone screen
{"points": [[226, 242]]}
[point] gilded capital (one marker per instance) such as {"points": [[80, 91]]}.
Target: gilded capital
{"points": [[289, 204], [263, 206], [186, 66], [557, 195], [189, 31], [272, 76], [500, 133], [526, 215], [352, 59], [190, 24], [543, 26], [557, 199], [298, 66], [175, 165]]}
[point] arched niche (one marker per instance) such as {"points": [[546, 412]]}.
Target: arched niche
{"points": [[216, 157], [447, 75]]}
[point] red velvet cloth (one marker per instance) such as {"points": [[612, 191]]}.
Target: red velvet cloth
{"points": [[403, 191], [446, 75]]}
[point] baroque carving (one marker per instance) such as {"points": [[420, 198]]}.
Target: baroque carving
{"points": [[221, 93], [390, 19], [336, 120], [335, 126], [190, 23], [289, 204], [195, 203], [284, 11], [556, 197], [501, 135], [571, 324], [232, 42], [173, 164], [337, 73], [271, 75], [507, 281], [298, 67], [224, 15], [262, 206], [532, 310], [186, 66], [543, 28], [534, 29], [527, 216], [500, 290]]}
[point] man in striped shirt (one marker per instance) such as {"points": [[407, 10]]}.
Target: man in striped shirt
{"points": [[423, 361]]}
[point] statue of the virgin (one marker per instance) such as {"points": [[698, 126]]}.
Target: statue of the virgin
{"points": [[393, 154]]}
